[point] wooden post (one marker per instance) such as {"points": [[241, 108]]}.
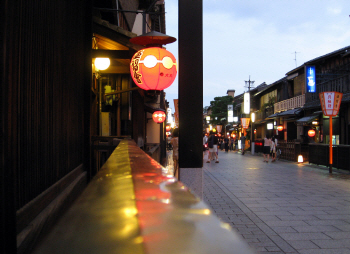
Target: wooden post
{"points": [[330, 144]]}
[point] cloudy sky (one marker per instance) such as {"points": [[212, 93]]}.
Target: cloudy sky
{"points": [[261, 38]]}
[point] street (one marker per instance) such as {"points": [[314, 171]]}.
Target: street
{"points": [[282, 206]]}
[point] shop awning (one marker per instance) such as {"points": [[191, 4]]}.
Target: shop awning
{"points": [[308, 119], [291, 112]]}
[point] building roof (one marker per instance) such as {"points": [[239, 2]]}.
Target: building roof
{"points": [[344, 50]]}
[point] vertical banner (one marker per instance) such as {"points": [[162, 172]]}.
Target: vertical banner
{"points": [[176, 113], [230, 113], [246, 103]]}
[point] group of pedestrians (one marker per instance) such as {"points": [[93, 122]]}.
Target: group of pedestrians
{"points": [[270, 144], [212, 142]]}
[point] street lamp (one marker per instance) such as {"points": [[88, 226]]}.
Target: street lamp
{"points": [[252, 147]]}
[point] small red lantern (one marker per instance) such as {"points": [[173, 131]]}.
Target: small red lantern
{"points": [[168, 128], [255, 131], [233, 135], [159, 116], [311, 133], [280, 127], [153, 68]]}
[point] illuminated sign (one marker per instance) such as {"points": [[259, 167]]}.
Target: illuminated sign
{"points": [[330, 102], [246, 109], [269, 126], [230, 113], [311, 79]]}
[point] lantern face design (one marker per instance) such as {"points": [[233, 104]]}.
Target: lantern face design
{"points": [[153, 68], [280, 127], [311, 133], [159, 116]]}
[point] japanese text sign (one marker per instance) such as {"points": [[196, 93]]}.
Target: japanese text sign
{"points": [[330, 102], [311, 79]]}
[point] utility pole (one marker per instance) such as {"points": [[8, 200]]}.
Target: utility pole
{"points": [[249, 83], [295, 58]]}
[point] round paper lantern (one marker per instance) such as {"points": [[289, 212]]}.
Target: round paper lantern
{"points": [[153, 68], [255, 131], [311, 133], [280, 127], [159, 116], [168, 128]]}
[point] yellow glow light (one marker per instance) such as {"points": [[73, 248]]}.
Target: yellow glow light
{"points": [[102, 63]]}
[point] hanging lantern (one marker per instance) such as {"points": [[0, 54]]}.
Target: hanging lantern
{"points": [[153, 68], [311, 133], [159, 116], [280, 127], [168, 128], [245, 122], [233, 135], [255, 131]]}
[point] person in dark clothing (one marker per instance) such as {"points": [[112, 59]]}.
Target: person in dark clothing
{"points": [[226, 144], [243, 143]]}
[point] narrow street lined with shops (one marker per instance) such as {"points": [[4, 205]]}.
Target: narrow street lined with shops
{"points": [[280, 207]]}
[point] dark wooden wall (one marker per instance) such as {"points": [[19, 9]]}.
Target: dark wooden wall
{"points": [[46, 80]]}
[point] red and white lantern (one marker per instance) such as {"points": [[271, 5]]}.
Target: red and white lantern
{"points": [[311, 133], [159, 116], [153, 68]]}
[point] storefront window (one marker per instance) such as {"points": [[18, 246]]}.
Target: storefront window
{"points": [[335, 139]]}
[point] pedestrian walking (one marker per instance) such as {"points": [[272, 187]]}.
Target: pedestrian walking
{"points": [[175, 144], [273, 149], [266, 149], [205, 147], [213, 147], [243, 143], [231, 143], [226, 140]]}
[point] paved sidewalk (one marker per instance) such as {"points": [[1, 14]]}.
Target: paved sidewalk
{"points": [[280, 207]]}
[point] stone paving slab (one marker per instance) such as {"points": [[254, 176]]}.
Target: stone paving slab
{"points": [[280, 207]]}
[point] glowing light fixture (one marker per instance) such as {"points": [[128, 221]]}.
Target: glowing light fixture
{"points": [[280, 127], [311, 133], [300, 159], [153, 68], [159, 116], [252, 116], [102, 63]]}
